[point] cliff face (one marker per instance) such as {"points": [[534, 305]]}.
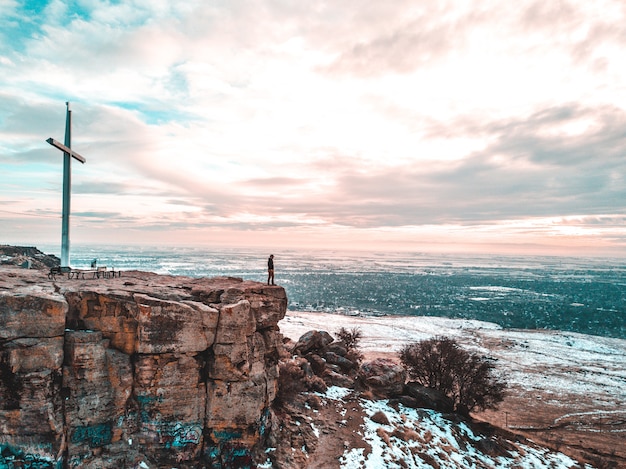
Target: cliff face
{"points": [[138, 371]]}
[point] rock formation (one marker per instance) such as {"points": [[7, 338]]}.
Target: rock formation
{"points": [[138, 371], [328, 359], [27, 257]]}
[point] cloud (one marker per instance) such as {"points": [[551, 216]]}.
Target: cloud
{"points": [[348, 116], [98, 215], [102, 188]]}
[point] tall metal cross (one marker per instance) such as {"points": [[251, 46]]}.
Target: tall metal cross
{"points": [[68, 154]]}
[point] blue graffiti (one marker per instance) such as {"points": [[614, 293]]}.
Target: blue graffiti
{"points": [[226, 456], [181, 435], [93, 435], [227, 435], [13, 458], [145, 402]]}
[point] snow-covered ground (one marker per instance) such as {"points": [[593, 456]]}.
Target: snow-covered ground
{"points": [[550, 362], [422, 439], [558, 382]]}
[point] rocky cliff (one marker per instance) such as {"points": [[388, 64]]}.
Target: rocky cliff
{"points": [[137, 371]]}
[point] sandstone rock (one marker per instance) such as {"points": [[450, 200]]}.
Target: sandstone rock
{"points": [[117, 372], [332, 378], [380, 417], [31, 417], [338, 348], [27, 315], [89, 412], [318, 364], [383, 376], [236, 322], [343, 363], [33, 355], [312, 341], [115, 315], [236, 404], [174, 327], [273, 343], [268, 304], [18, 255], [170, 406], [327, 339]]}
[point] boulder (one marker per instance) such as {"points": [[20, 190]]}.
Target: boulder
{"points": [[428, 398], [380, 417], [332, 378], [312, 341], [383, 376], [318, 364], [338, 348], [341, 362]]}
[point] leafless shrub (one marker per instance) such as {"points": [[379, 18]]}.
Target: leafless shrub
{"points": [[351, 339], [400, 434], [466, 378], [411, 435], [314, 383], [291, 381]]}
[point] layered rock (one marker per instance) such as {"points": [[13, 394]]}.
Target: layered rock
{"points": [[142, 370]]}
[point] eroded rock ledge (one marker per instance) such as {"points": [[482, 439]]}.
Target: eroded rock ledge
{"points": [[144, 370]]}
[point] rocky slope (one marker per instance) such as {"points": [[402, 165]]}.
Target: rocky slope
{"points": [[566, 390], [379, 420], [342, 429], [140, 370]]}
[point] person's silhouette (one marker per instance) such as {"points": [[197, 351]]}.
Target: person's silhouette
{"points": [[270, 270]]}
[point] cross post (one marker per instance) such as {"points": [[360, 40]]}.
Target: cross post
{"points": [[68, 154]]}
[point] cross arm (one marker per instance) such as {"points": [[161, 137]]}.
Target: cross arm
{"points": [[65, 149]]}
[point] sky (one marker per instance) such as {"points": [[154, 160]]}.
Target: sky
{"points": [[417, 125]]}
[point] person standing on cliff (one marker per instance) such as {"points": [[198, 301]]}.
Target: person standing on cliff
{"points": [[270, 270]]}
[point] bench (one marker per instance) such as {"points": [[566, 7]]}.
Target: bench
{"points": [[54, 271], [80, 273]]}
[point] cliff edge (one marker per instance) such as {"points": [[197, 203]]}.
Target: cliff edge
{"points": [[141, 370]]}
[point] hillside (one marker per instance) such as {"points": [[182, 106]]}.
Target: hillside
{"points": [[340, 429], [567, 390]]}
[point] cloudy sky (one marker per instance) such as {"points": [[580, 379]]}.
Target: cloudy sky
{"points": [[490, 126]]}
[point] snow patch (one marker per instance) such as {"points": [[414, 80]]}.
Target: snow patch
{"points": [[336, 393], [421, 438]]}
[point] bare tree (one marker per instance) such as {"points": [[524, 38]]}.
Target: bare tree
{"points": [[466, 378]]}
